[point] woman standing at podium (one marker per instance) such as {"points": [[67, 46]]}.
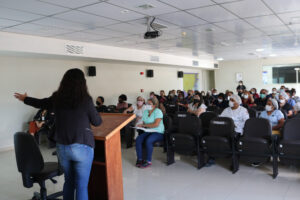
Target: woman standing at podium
{"points": [[74, 112], [153, 122]]}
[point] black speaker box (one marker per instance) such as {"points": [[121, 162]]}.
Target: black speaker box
{"points": [[91, 71], [149, 73], [180, 74]]}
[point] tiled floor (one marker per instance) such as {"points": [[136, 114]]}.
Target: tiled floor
{"points": [[180, 181]]}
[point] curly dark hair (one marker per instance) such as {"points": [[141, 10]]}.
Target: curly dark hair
{"points": [[72, 90]]}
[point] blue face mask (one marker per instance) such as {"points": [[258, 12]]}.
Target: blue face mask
{"points": [[262, 96]]}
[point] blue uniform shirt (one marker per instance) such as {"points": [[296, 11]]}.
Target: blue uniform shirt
{"points": [[275, 116]]}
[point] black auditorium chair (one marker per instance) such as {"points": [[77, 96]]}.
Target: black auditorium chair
{"points": [[206, 117], [185, 139], [171, 108], [214, 109], [220, 142], [31, 165], [257, 145], [289, 145], [297, 115]]}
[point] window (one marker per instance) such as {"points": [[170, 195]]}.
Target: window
{"points": [[281, 74]]}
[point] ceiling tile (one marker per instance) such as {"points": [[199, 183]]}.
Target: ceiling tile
{"points": [[7, 22], [265, 21], [281, 6], [113, 12], [81, 36], [276, 30], [238, 26], [34, 29], [84, 18], [71, 3], [250, 33], [51, 21], [7, 13], [188, 4], [128, 28], [225, 1], [248, 8], [32, 6], [207, 28], [107, 32], [213, 13], [181, 19], [290, 17], [158, 7]]}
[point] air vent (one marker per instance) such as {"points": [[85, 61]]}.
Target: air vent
{"points": [[195, 63], [72, 49], [146, 6], [154, 58]]}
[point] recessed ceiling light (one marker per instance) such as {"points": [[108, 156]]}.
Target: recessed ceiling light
{"points": [[220, 59], [124, 11], [146, 6], [272, 55], [183, 33], [259, 50]]}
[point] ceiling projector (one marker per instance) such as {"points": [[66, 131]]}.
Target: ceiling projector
{"points": [[151, 31]]}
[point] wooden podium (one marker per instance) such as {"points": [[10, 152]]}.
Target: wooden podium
{"points": [[106, 180]]}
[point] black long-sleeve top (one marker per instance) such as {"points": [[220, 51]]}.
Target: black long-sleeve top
{"points": [[72, 125]]}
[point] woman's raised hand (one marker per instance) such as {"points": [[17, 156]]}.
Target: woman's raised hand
{"points": [[21, 97]]}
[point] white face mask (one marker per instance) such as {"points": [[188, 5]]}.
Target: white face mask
{"points": [[215, 93], [282, 101], [220, 100], [148, 107], [246, 96], [151, 96], [231, 104], [268, 108], [228, 98], [140, 103], [274, 92]]}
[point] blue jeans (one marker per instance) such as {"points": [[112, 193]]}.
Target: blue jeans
{"points": [[76, 161], [147, 138]]}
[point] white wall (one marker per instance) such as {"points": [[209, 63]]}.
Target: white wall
{"points": [[39, 77], [252, 73]]}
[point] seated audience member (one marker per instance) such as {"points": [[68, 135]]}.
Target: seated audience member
{"points": [[122, 104], [190, 95], [290, 101], [182, 102], [100, 107], [282, 88], [177, 92], [215, 94], [209, 99], [293, 92], [152, 121], [162, 98], [238, 113], [221, 102], [272, 114], [138, 109], [285, 107], [253, 91], [152, 94], [197, 107], [247, 99], [240, 88], [171, 97], [262, 100]]}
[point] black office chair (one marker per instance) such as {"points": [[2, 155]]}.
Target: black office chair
{"points": [[214, 109], [289, 145], [220, 142], [252, 112], [186, 139], [31, 164], [171, 108], [206, 117], [257, 144]]}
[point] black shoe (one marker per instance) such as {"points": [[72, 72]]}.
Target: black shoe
{"points": [[139, 163], [256, 164]]}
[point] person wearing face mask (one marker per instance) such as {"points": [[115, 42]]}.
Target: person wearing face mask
{"points": [[275, 116], [238, 113], [221, 102], [247, 99], [262, 100], [240, 88], [253, 91], [172, 98], [215, 94], [285, 107], [162, 98], [152, 121], [100, 107], [122, 104], [290, 100], [189, 97], [197, 107], [182, 102], [138, 109]]}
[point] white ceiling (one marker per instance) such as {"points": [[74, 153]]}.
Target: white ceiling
{"points": [[229, 29]]}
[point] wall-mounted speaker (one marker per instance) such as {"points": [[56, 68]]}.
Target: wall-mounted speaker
{"points": [[91, 71], [180, 74], [149, 73]]}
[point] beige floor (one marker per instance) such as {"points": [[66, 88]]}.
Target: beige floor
{"points": [[180, 181]]}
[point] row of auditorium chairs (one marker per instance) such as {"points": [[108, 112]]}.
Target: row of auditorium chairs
{"points": [[212, 137]]}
